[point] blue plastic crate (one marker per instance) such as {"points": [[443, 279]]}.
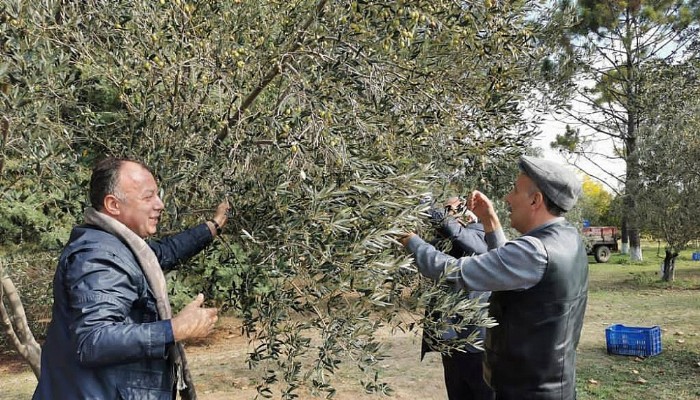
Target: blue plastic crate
{"points": [[633, 340]]}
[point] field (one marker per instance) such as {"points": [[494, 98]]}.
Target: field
{"points": [[620, 292]]}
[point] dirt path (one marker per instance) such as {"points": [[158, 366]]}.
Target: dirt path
{"points": [[221, 372]]}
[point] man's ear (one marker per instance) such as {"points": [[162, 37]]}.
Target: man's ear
{"points": [[111, 205], [537, 197]]}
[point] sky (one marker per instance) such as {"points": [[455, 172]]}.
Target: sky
{"points": [[551, 128]]}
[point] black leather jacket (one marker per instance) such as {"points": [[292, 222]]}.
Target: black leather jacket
{"points": [[466, 241], [106, 340]]}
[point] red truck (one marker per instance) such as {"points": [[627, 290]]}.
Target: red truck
{"points": [[601, 241]]}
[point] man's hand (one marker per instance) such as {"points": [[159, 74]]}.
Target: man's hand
{"points": [[480, 205], [217, 223], [405, 238], [194, 321], [221, 214], [483, 209], [470, 217]]}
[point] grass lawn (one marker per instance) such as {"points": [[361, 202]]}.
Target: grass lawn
{"points": [[633, 295]]}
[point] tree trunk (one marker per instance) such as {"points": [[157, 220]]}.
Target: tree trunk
{"points": [[630, 226], [635, 246], [16, 326], [624, 235], [630, 202], [669, 266], [632, 178]]}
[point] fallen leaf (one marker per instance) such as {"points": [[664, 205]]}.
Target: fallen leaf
{"points": [[593, 381], [641, 381], [634, 371], [681, 341], [638, 359], [679, 333]]}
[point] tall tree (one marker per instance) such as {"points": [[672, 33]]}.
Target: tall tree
{"points": [[604, 52], [324, 122], [670, 189], [595, 202]]}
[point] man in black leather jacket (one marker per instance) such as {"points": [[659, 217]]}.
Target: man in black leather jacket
{"points": [[108, 338]]}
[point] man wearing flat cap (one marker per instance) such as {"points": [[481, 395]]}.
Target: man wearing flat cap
{"points": [[539, 283]]}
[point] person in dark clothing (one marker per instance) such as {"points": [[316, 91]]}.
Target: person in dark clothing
{"points": [[462, 366], [539, 283], [112, 334]]}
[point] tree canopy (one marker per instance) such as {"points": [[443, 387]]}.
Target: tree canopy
{"points": [[595, 203], [669, 168], [605, 51], [323, 122]]}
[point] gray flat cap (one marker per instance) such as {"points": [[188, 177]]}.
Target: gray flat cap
{"points": [[556, 181]]}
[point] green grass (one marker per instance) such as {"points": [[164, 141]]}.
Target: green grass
{"points": [[633, 294]]}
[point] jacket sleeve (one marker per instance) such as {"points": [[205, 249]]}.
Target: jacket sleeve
{"points": [[517, 265], [173, 250], [103, 291], [469, 240]]}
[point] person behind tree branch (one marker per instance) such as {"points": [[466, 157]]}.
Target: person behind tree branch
{"points": [[112, 334], [462, 365], [539, 283]]}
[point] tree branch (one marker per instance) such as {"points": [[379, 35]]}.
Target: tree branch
{"points": [[271, 74], [16, 325], [4, 131]]}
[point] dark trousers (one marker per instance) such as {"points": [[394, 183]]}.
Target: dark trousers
{"points": [[464, 377]]}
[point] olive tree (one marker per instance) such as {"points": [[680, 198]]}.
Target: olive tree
{"points": [[670, 174], [323, 122]]}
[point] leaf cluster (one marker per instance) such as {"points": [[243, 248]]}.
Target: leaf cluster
{"points": [[324, 124], [670, 177]]}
